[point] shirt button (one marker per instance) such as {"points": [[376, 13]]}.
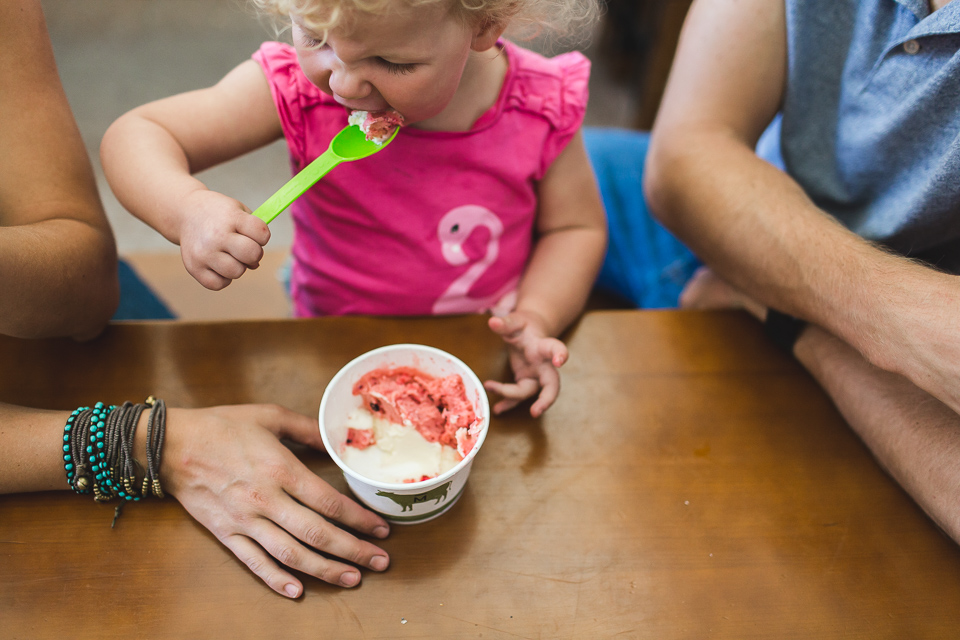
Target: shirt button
{"points": [[911, 47]]}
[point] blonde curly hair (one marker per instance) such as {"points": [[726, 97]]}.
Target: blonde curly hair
{"points": [[524, 17]]}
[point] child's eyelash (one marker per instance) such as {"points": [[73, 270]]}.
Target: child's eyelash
{"points": [[396, 68], [312, 42]]}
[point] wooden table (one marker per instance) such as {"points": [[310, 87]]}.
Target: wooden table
{"points": [[690, 482]]}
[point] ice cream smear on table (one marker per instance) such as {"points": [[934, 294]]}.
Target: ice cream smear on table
{"points": [[377, 125], [411, 426]]}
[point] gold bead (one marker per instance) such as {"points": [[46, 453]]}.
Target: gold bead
{"points": [[83, 483], [150, 401]]}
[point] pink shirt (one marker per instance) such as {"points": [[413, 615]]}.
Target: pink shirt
{"points": [[438, 222]]}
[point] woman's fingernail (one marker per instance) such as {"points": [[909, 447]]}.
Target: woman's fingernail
{"points": [[350, 579], [379, 563], [381, 531], [292, 590]]}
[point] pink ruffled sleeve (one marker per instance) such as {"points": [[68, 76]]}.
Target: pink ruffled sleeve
{"points": [[290, 90], [566, 106]]}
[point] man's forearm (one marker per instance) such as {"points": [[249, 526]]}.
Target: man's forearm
{"points": [[754, 225], [915, 437]]}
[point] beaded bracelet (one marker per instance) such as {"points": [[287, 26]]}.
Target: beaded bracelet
{"points": [[98, 450], [83, 438], [156, 426]]}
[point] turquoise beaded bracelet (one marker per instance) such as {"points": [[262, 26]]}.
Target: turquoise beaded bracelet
{"points": [[98, 450]]}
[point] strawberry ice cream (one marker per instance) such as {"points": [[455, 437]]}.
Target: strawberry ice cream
{"points": [[377, 125], [437, 407], [412, 426]]}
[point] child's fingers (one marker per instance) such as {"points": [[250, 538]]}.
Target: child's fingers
{"points": [[508, 326], [202, 272], [226, 265], [519, 390], [553, 351], [254, 228], [504, 405], [512, 393], [244, 250], [550, 383], [211, 279]]}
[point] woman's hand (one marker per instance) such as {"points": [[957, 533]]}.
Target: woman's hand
{"points": [[534, 358], [227, 467]]}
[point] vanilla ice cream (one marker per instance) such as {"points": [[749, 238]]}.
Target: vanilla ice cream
{"points": [[394, 452], [410, 426]]}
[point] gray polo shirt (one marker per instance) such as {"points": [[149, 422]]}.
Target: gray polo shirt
{"points": [[871, 119]]}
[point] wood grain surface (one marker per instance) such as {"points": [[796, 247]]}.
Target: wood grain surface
{"points": [[690, 482]]}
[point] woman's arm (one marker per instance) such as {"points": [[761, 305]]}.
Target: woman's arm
{"points": [[228, 469], [58, 261]]}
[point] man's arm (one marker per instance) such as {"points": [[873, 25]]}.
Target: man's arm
{"points": [[58, 261], [914, 436], [754, 225]]}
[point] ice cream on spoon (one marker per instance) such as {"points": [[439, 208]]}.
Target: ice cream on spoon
{"points": [[377, 125], [355, 142]]}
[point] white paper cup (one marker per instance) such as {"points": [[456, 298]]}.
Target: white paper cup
{"points": [[402, 503]]}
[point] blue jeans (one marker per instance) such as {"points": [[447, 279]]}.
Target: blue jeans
{"points": [[645, 263], [137, 300]]}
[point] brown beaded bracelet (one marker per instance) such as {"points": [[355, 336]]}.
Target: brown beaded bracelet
{"points": [[98, 451], [156, 428]]}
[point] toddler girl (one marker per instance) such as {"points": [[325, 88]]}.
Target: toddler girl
{"points": [[484, 201]]}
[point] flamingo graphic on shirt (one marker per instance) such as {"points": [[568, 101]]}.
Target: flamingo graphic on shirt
{"points": [[454, 229]]}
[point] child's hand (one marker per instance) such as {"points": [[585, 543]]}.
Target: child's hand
{"points": [[219, 239], [534, 358]]}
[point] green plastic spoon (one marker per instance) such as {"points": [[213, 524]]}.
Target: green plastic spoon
{"points": [[348, 145]]}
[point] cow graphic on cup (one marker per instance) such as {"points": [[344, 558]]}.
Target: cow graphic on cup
{"points": [[438, 494]]}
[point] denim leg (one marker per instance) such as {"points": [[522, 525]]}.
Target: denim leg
{"points": [[137, 300], [645, 263]]}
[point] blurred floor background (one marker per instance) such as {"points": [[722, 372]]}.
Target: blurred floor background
{"points": [[114, 55]]}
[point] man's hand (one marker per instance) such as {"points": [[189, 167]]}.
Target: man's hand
{"points": [[707, 290], [228, 469], [534, 358], [219, 239]]}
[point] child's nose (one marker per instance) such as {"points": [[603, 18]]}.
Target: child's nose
{"points": [[348, 84]]}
